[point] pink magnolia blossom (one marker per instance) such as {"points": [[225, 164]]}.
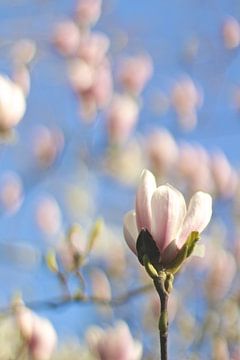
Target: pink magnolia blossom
{"points": [[121, 117], [38, 332], [115, 343], [12, 103], [162, 211], [66, 37], [88, 12], [135, 72], [162, 151], [93, 48], [231, 33]]}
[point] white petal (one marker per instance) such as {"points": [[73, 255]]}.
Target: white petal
{"points": [[168, 212], [145, 191], [198, 215], [130, 230]]}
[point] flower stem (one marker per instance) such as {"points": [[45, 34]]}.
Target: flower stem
{"points": [[159, 283]]}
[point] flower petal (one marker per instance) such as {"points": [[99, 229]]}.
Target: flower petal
{"points": [[198, 215], [168, 212], [145, 191], [130, 230]]}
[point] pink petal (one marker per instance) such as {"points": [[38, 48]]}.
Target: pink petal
{"points": [[143, 200], [198, 215], [168, 212], [130, 230]]}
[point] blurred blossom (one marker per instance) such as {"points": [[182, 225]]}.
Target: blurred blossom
{"points": [[24, 51], [100, 285], [134, 73], [231, 33], [87, 12], [186, 98], [11, 191], [81, 75], [48, 215], [222, 270], [122, 116], [21, 77], [162, 151], [194, 166], [38, 332], [225, 178], [220, 349], [12, 103], [115, 343], [162, 211], [47, 144], [66, 37], [93, 48]]}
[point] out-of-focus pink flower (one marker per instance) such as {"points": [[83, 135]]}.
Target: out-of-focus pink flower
{"points": [[194, 166], [21, 77], [48, 215], [12, 103], [11, 191], [162, 211], [81, 75], [38, 332], [88, 12], [114, 344], [66, 37], [162, 151], [47, 144], [134, 73], [122, 116], [23, 52], [100, 285], [225, 178], [222, 270], [231, 33], [93, 48], [186, 99]]}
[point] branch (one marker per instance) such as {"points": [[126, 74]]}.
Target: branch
{"points": [[59, 302]]}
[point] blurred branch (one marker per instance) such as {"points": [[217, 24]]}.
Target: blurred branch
{"points": [[59, 302]]}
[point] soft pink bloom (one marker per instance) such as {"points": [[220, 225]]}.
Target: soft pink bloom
{"points": [[23, 52], [231, 33], [81, 75], [162, 211], [162, 150], [101, 287], [48, 215], [122, 116], [88, 12], [12, 103], [66, 38], [186, 99], [134, 73], [114, 344], [93, 48], [11, 191], [222, 270], [224, 176], [38, 333], [194, 166], [220, 349], [21, 77], [47, 144]]}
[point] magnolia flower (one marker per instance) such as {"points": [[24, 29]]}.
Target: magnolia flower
{"points": [[38, 332], [12, 103], [115, 343], [162, 211]]}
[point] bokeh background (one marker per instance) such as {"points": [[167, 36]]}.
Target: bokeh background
{"points": [[59, 166]]}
